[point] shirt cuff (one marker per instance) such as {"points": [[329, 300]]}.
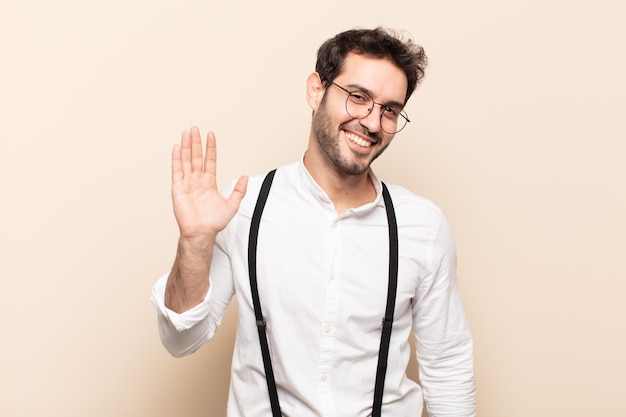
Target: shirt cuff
{"points": [[187, 319]]}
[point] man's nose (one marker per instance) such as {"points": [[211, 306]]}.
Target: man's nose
{"points": [[373, 120]]}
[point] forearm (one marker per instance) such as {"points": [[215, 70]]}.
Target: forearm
{"points": [[188, 282], [183, 333], [446, 357], [448, 380]]}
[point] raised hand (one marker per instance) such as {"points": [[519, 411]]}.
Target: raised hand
{"points": [[200, 210]]}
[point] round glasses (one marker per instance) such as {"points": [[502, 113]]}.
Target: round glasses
{"points": [[359, 105]]}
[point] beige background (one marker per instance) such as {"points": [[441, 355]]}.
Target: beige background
{"points": [[518, 134]]}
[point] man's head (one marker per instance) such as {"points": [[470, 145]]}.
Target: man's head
{"points": [[376, 43], [362, 81]]}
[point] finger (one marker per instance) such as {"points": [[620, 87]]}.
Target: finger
{"points": [[177, 165], [210, 159], [185, 152], [234, 200], [196, 150]]}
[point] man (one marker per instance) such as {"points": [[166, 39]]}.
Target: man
{"points": [[324, 255]]}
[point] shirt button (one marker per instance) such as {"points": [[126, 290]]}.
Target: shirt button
{"points": [[324, 378], [332, 277], [327, 329]]}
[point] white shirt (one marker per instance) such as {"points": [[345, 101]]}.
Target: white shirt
{"points": [[322, 281]]}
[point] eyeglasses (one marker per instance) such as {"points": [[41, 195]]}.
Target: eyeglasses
{"points": [[359, 105]]}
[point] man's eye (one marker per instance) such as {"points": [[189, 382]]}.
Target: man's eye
{"points": [[391, 111], [358, 97]]}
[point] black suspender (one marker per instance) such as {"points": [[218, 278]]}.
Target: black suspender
{"points": [[383, 353], [260, 321]]}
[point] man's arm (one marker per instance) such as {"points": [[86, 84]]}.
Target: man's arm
{"points": [[443, 340], [201, 213]]}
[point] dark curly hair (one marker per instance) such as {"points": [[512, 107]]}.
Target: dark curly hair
{"points": [[380, 43]]}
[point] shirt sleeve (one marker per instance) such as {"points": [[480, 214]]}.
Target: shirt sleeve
{"points": [[184, 333], [444, 344]]}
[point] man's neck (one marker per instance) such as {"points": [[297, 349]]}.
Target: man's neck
{"points": [[344, 190]]}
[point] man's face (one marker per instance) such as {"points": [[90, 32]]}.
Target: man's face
{"points": [[353, 144]]}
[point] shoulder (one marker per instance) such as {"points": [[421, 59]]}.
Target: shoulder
{"points": [[419, 218], [409, 203]]}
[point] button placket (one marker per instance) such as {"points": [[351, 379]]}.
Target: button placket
{"points": [[327, 333]]}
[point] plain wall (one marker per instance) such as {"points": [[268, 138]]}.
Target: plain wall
{"points": [[517, 133]]}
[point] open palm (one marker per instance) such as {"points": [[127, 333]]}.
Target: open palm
{"points": [[200, 210]]}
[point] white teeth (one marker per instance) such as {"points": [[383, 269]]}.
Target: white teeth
{"points": [[358, 140]]}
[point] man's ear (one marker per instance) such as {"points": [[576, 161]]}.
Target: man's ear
{"points": [[314, 90]]}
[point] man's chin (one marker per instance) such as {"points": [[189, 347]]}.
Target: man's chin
{"points": [[353, 169]]}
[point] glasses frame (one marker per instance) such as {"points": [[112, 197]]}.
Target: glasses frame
{"points": [[382, 106]]}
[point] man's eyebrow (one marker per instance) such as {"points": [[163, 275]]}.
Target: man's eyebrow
{"points": [[367, 91]]}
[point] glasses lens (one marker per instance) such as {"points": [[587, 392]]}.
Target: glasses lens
{"points": [[359, 105], [393, 119]]}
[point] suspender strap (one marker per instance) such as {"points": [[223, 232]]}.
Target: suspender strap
{"points": [[385, 338], [383, 353], [260, 321]]}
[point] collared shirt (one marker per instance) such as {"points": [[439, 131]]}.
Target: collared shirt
{"points": [[323, 281]]}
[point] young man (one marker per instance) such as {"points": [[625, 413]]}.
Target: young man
{"points": [[324, 262]]}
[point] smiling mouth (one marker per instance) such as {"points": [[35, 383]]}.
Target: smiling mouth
{"points": [[358, 140]]}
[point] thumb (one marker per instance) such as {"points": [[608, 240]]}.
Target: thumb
{"points": [[234, 200]]}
